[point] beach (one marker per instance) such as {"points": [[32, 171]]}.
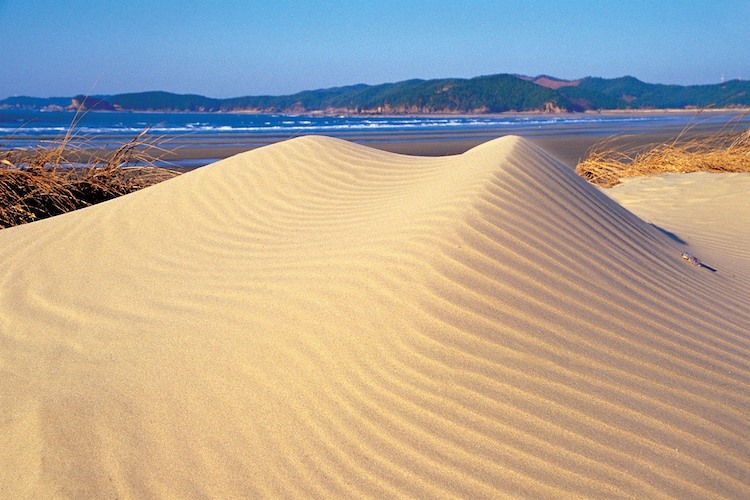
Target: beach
{"points": [[186, 141], [320, 317], [568, 148], [568, 137]]}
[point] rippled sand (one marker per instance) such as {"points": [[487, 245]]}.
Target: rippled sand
{"points": [[318, 318]]}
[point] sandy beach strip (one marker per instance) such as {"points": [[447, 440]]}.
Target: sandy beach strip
{"points": [[318, 318], [569, 149], [567, 143]]}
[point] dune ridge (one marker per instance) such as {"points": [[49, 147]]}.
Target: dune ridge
{"points": [[318, 318]]}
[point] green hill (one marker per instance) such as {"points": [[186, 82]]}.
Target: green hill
{"points": [[629, 92], [483, 94], [164, 101], [26, 102]]}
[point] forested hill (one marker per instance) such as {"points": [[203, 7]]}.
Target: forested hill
{"points": [[483, 94]]}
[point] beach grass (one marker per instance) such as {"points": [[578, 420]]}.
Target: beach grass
{"points": [[726, 150], [69, 174]]}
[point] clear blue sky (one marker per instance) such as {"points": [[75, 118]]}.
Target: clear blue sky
{"points": [[223, 48]]}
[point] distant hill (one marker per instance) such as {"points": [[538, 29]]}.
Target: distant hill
{"points": [[630, 92], [26, 102], [483, 94], [164, 101]]}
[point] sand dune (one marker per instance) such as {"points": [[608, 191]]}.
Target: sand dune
{"points": [[317, 318], [710, 212]]}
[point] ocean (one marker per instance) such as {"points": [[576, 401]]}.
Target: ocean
{"points": [[29, 129]]}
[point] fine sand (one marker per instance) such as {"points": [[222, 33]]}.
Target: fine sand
{"points": [[708, 212], [317, 318]]}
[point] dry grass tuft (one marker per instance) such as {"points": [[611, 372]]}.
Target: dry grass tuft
{"points": [[724, 151], [47, 181]]}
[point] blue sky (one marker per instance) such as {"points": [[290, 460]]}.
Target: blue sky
{"points": [[233, 48]]}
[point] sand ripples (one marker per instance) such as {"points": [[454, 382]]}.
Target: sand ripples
{"points": [[317, 318]]}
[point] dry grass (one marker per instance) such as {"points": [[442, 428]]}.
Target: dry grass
{"points": [[724, 151], [45, 181]]}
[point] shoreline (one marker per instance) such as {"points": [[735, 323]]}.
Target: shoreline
{"points": [[568, 141], [567, 144], [349, 113]]}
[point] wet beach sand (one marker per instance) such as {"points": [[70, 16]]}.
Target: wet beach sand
{"points": [[568, 144]]}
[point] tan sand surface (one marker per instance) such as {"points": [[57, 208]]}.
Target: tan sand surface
{"points": [[320, 319], [710, 212]]}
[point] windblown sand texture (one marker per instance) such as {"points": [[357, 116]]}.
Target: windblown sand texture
{"points": [[710, 212], [320, 319]]}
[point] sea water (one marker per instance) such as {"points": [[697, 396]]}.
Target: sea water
{"points": [[29, 129], [30, 124]]}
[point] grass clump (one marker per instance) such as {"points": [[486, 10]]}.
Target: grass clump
{"points": [[724, 151], [46, 181]]}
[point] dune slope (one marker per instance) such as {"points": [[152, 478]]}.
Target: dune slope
{"points": [[317, 318], [710, 212]]}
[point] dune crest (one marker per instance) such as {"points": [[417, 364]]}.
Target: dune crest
{"points": [[317, 318]]}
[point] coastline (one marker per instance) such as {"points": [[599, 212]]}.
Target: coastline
{"points": [[567, 143], [198, 139]]}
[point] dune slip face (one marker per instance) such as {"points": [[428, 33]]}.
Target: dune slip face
{"points": [[317, 318]]}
